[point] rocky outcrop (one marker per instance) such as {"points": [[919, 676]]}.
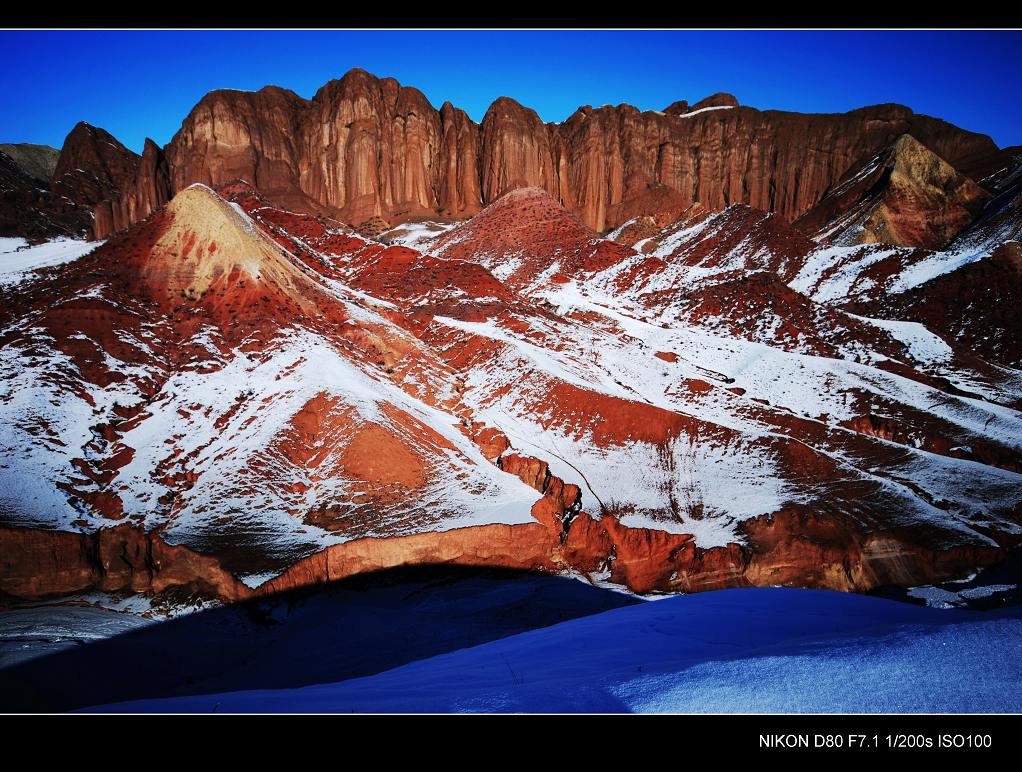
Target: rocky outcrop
{"points": [[524, 547], [561, 501], [794, 547], [791, 548], [146, 192], [832, 552], [905, 196], [93, 167], [366, 149], [37, 564]]}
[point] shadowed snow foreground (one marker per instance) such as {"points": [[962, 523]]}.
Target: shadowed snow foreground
{"points": [[757, 650]]}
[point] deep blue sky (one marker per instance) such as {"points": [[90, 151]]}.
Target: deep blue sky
{"points": [[138, 84]]}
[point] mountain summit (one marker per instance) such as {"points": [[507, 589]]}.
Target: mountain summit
{"points": [[905, 196]]}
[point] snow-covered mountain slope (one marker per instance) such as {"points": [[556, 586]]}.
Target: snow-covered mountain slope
{"points": [[526, 237], [670, 397], [969, 294], [762, 650], [196, 378], [300, 402]]}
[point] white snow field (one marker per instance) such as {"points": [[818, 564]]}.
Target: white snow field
{"points": [[18, 260], [417, 235], [35, 631], [756, 650]]}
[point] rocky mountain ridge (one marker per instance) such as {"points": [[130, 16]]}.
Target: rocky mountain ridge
{"points": [[368, 150]]}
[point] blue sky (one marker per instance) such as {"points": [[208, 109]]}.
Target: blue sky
{"points": [[138, 84]]}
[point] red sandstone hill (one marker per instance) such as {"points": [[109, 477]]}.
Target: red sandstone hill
{"points": [[905, 196], [525, 236], [369, 150]]}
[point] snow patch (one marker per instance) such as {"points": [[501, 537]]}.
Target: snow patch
{"points": [[18, 260]]}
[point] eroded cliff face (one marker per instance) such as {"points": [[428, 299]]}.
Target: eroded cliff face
{"points": [[361, 148], [459, 185], [146, 192], [719, 155], [93, 167], [365, 149], [240, 135], [517, 151], [371, 150], [38, 563]]}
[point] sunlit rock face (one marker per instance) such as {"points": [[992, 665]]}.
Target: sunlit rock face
{"points": [[374, 153]]}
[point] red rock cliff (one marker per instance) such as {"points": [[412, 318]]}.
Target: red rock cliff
{"points": [[365, 147], [93, 166], [147, 191]]}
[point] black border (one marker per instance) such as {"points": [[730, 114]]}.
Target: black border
{"points": [[117, 14], [482, 741], [479, 740]]}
